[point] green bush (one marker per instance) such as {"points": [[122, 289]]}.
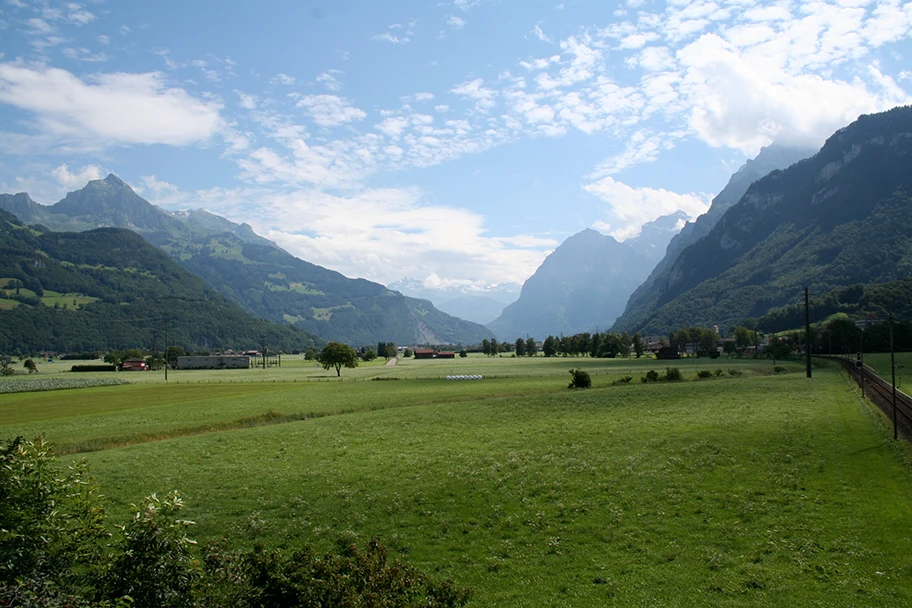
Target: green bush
{"points": [[779, 369], [651, 376], [56, 552], [94, 368], [718, 373], [624, 380], [579, 379], [673, 374], [735, 372], [704, 373]]}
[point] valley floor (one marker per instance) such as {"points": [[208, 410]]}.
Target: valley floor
{"points": [[746, 489]]}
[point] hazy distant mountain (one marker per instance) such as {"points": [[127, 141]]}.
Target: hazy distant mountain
{"points": [[254, 272], [109, 288], [771, 158], [842, 217], [581, 286], [655, 236], [470, 302]]}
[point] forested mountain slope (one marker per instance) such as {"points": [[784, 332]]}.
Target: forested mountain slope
{"points": [[109, 288], [839, 218], [643, 299], [254, 272]]}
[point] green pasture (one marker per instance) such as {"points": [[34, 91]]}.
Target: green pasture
{"points": [[881, 363], [752, 490]]}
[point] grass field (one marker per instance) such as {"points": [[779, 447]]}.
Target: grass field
{"points": [[754, 490]]}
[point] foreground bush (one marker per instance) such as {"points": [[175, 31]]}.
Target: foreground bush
{"points": [[55, 551], [579, 379]]}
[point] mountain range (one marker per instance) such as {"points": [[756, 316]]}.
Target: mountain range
{"points": [[584, 283], [109, 288], [254, 272], [470, 302], [839, 218], [770, 158]]}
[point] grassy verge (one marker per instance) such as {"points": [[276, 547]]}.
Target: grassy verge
{"points": [[752, 491]]}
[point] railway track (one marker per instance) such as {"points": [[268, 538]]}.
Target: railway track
{"points": [[880, 392]]}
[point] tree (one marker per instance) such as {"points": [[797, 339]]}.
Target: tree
{"points": [[336, 355], [637, 345], [369, 355], [520, 347], [531, 348], [310, 354], [549, 346], [30, 366], [172, 353]]}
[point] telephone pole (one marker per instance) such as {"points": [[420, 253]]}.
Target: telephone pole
{"points": [[807, 332]]}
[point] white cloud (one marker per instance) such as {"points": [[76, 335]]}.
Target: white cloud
{"points": [[475, 90], [111, 109], [741, 102], [541, 34], [330, 80], [330, 110], [76, 180], [77, 15], [457, 23], [378, 234], [84, 54], [629, 208], [283, 79]]}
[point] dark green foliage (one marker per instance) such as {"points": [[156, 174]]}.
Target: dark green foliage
{"points": [[137, 286], [337, 355], [704, 373], [151, 561], [352, 577], [651, 376], [779, 369], [93, 368], [673, 374], [53, 543], [624, 380], [579, 379]]}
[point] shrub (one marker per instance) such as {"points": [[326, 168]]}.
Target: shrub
{"points": [[624, 380], [54, 554], [704, 373], [673, 374], [735, 372], [718, 373], [779, 369], [651, 376], [93, 368], [579, 379]]}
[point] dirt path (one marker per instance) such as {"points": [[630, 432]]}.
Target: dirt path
{"points": [[392, 361]]}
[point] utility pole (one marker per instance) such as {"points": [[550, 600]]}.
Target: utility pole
{"points": [[893, 376], [807, 332], [264, 352], [861, 358], [167, 327]]}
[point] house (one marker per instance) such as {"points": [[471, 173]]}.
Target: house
{"points": [[668, 352], [424, 353], [134, 365], [445, 354]]}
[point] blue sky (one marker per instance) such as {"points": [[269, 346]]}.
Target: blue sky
{"points": [[452, 141]]}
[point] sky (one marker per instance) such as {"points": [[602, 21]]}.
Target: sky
{"points": [[456, 142]]}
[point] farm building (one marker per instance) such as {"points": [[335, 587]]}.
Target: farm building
{"points": [[668, 352], [424, 353], [134, 365], [445, 354], [214, 362]]}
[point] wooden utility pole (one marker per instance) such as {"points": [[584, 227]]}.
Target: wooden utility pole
{"points": [[893, 377], [807, 332]]}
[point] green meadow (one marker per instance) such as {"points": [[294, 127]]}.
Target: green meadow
{"points": [[748, 489]]}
